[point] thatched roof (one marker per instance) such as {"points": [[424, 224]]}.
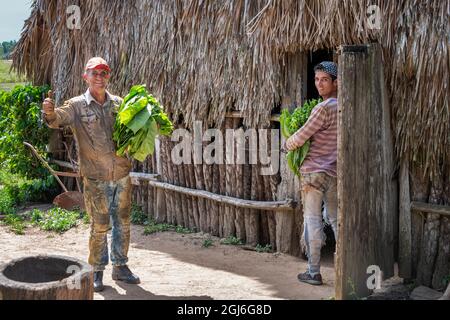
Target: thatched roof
{"points": [[203, 58]]}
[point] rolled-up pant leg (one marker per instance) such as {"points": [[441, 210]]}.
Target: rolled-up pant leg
{"points": [[120, 214], [330, 200], [312, 197], [97, 207], [107, 200]]}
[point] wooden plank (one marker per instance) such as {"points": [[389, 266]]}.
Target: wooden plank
{"points": [[288, 234], [405, 249], [367, 200], [172, 196], [229, 228], [239, 115], [239, 193], [161, 199], [431, 234], [200, 185], [251, 236], [193, 215], [210, 174], [420, 189], [254, 230], [387, 196], [286, 205], [430, 208], [442, 265]]}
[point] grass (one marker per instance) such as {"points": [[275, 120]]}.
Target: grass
{"points": [[231, 240], [151, 226], [8, 80], [16, 223], [265, 248], [56, 219], [207, 243]]}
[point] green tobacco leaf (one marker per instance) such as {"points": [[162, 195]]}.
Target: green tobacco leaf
{"points": [[132, 109], [139, 120], [134, 91], [148, 144]]}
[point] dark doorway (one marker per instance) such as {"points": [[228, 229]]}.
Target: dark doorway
{"points": [[314, 58]]}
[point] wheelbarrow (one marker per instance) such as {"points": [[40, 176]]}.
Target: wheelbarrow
{"points": [[68, 200]]}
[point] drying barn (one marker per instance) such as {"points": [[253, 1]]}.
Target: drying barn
{"points": [[236, 65]]}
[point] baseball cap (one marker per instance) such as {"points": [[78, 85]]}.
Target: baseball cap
{"points": [[328, 67], [97, 63]]}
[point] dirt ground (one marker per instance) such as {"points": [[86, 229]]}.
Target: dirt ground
{"points": [[177, 266]]}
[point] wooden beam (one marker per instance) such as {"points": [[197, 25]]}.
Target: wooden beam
{"points": [[145, 176], [430, 208], [64, 164], [238, 114], [405, 232], [285, 205]]}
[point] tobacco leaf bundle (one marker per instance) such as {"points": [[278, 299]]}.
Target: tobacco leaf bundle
{"points": [[290, 123], [139, 121]]}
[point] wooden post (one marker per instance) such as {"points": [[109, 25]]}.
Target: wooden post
{"points": [[431, 234], [230, 182], [420, 190], [239, 191], [367, 199], [287, 233], [161, 168], [405, 249]]}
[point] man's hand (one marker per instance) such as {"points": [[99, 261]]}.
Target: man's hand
{"points": [[288, 145], [283, 148], [48, 106]]}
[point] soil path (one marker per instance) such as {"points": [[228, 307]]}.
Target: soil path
{"points": [[177, 266]]}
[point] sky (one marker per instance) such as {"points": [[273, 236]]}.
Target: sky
{"points": [[12, 17]]}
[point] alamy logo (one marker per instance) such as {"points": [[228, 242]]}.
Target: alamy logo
{"points": [[73, 17], [75, 282], [374, 17], [375, 278]]}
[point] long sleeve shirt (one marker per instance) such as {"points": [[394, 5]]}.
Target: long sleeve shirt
{"points": [[321, 129], [92, 125]]}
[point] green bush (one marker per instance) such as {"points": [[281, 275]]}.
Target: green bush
{"points": [[7, 202], [137, 215], [20, 120], [16, 223], [15, 190]]}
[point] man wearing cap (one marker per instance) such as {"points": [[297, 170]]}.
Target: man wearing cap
{"points": [[106, 180], [318, 171]]}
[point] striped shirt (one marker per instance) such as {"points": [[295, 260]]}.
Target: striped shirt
{"points": [[321, 129]]}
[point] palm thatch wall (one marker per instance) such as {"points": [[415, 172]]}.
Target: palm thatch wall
{"points": [[204, 58]]}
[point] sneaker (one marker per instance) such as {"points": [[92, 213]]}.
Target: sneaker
{"points": [[315, 280]]}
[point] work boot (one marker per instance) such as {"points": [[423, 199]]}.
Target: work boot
{"points": [[98, 281], [308, 278], [123, 273]]}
